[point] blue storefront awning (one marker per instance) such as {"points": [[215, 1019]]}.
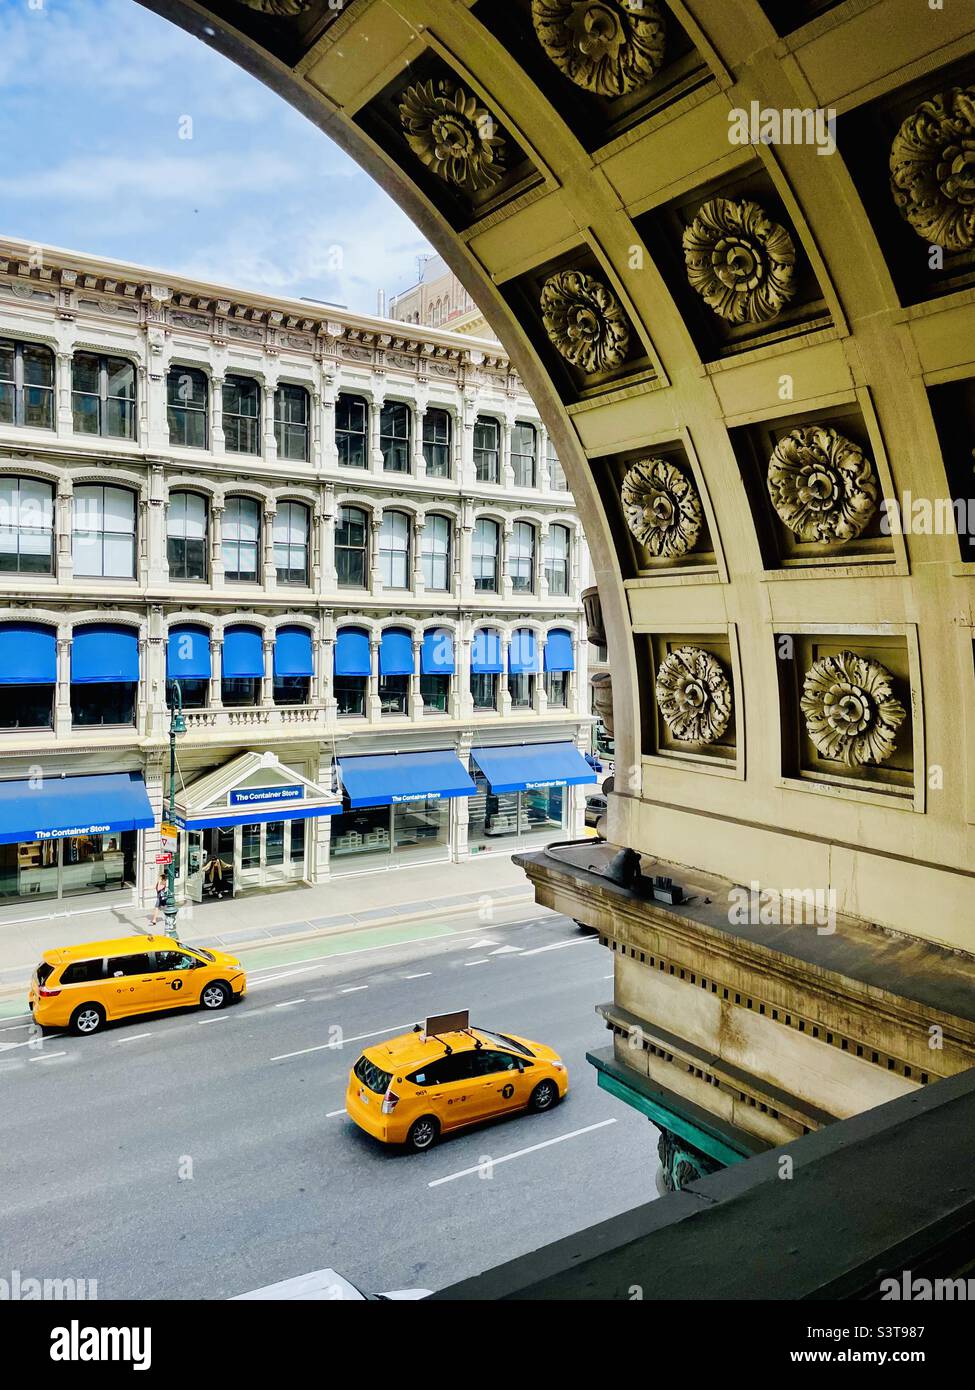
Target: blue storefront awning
{"points": [[28, 654], [188, 653], [243, 653], [388, 779], [52, 808], [396, 653], [437, 653], [522, 652], [521, 767], [558, 650], [292, 652], [352, 655], [104, 654], [486, 652]]}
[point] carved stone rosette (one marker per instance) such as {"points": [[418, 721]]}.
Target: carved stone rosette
{"points": [[693, 695], [278, 7], [605, 46], [585, 321], [739, 261], [822, 484], [932, 169], [661, 507], [449, 130], [851, 712]]}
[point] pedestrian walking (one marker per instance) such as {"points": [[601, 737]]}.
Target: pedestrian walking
{"points": [[162, 893]]}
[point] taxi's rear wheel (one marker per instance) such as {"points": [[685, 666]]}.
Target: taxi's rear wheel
{"points": [[87, 1018], [544, 1096], [423, 1134], [215, 995]]}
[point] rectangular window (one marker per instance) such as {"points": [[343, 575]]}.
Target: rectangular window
{"points": [[290, 534], [521, 687], [436, 443], [394, 436], [436, 553], [352, 431], [350, 694], [394, 694], [523, 455], [435, 693], [274, 842], [26, 385], [103, 532], [485, 556], [421, 828], [487, 450], [186, 536], [26, 706], [241, 415], [187, 399], [557, 561], [297, 850], [194, 693], [291, 422], [521, 558], [103, 703], [241, 540], [484, 689], [26, 526], [361, 834], [556, 476], [292, 690], [103, 395], [236, 691], [250, 846], [351, 548], [557, 689]]}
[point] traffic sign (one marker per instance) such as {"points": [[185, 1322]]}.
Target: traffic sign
{"points": [[164, 858]]}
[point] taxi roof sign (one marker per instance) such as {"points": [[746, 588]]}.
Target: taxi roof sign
{"points": [[457, 1022]]}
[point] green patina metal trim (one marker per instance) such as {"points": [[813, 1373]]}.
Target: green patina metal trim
{"points": [[666, 1118]]}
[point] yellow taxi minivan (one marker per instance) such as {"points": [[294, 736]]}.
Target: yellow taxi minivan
{"points": [[446, 1074], [85, 987]]}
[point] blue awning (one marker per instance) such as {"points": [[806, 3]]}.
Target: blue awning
{"points": [[352, 656], [243, 653], [57, 807], [396, 653], [559, 655], [287, 810], [437, 653], [292, 652], [28, 654], [522, 652], [388, 779], [486, 652], [103, 654], [522, 767], [188, 653]]}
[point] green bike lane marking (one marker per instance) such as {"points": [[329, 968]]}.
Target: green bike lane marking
{"points": [[264, 957]]}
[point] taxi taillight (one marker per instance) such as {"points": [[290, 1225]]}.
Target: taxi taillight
{"points": [[390, 1102], [48, 993]]}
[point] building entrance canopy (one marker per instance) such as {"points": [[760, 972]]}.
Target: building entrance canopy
{"points": [[252, 788]]}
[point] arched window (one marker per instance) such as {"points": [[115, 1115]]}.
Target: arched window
{"points": [[523, 455], [104, 674], [484, 552], [188, 661], [436, 552], [352, 430], [396, 667], [242, 541], [394, 436], [521, 558], [291, 422], [290, 533], [103, 395], [103, 531], [436, 443], [522, 668], [242, 666], [28, 675], [394, 550], [353, 666], [486, 668], [487, 450], [559, 662], [186, 535], [187, 400], [557, 560], [437, 668], [26, 526], [294, 665], [26, 384], [556, 475], [241, 415], [352, 548]]}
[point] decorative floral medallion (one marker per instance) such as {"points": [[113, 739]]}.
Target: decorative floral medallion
{"points": [[661, 507], [453, 134], [932, 169], [282, 7], [585, 321], [609, 47], [822, 484], [740, 262], [693, 695], [851, 712]]}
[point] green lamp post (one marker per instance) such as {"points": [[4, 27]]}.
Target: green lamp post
{"points": [[177, 725]]}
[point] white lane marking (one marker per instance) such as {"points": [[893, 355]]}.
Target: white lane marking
{"points": [[482, 961], [48, 1057], [13, 1027], [134, 1038], [11, 1047], [560, 945], [215, 1018], [423, 975], [479, 945], [286, 1004], [331, 1114], [520, 1153], [337, 1046], [352, 989], [609, 977], [506, 951]]}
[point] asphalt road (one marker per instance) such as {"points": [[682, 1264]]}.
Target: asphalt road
{"points": [[201, 1156]]}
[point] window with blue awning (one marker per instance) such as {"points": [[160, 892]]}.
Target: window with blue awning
{"points": [[104, 654], [396, 652], [437, 653], [188, 653], [486, 652], [28, 654], [293, 652], [391, 779], [52, 808], [352, 655], [522, 767], [243, 653], [559, 655], [522, 652]]}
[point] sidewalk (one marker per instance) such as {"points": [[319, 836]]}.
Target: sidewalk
{"points": [[342, 905]]}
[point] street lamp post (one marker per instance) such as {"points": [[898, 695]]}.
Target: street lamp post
{"points": [[177, 725]]}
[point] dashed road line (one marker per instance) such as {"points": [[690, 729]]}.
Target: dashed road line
{"points": [[520, 1153], [560, 945], [135, 1037], [286, 1003], [339, 1044], [352, 989], [483, 961], [423, 975], [47, 1057]]}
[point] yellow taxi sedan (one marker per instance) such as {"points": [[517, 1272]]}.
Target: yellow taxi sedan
{"points": [[445, 1075]]}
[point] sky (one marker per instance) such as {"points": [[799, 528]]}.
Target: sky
{"points": [[94, 96]]}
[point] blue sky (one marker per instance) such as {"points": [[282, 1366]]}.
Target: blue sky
{"points": [[92, 97]]}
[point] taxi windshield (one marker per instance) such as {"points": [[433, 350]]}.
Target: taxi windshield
{"points": [[504, 1041]]}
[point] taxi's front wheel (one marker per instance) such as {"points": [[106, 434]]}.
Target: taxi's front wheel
{"points": [[215, 995], [544, 1096], [423, 1134]]}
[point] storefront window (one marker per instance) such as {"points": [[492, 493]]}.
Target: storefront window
{"points": [[26, 706], [557, 689], [292, 690], [39, 869], [103, 704], [521, 687], [250, 846], [484, 689], [497, 818], [195, 694], [542, 810], [362, 833], [394, 694], [240, 690], [421, 828]]}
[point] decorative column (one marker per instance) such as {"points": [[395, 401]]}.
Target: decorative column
{"points": [[419, 521], [216, 542], [541, 695], [267, 421], [375, 580], [64, 555], [507, 468], [62, 694], [158, 721], [506, 530], [326, 667], [330, 448], [464, 556], [373, 708], [217, 444], [142, 690], [504, 701], [541, 468], [464, 444], [461, 699], [156, 560], [315, 431], [216, 670], [579, 678], [267, 681], [375, 452], [416, 698], [157, 415], [541, 574], [64, 415], [318, 835], [269, 572], [419, 461]]}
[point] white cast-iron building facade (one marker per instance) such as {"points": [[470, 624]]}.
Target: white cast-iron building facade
{"points": [[351, 547]]}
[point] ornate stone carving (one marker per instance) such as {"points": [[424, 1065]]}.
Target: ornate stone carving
{"points": [[693, 695], [661, 507], [278, 7], [602, 698], [851, 712], [453, 134], [680, 1163], [822, 484], [585, 321], [608, 47], [932, 169], [740, 262]]}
